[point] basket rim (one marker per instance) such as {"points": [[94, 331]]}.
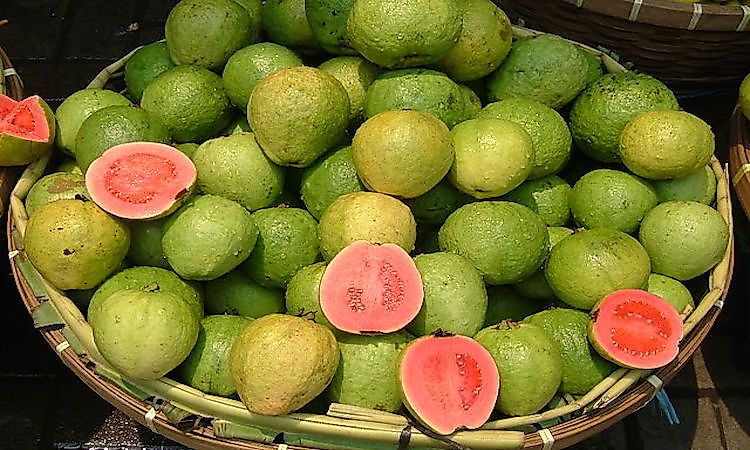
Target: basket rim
{"points": [[739, 158], [566, 433], [671, 14]]}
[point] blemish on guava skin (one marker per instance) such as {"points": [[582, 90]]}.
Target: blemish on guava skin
{"points": [[68, 251]]}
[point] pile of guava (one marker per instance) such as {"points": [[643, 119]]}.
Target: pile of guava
{"points": [[300, 202]]}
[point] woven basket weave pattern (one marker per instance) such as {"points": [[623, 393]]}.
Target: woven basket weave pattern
{"points": [[658, 42]]}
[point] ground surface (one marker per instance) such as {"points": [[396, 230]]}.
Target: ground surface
{"points": [[58, 46]]}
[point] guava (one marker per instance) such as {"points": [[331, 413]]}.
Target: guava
{"points": [[699, 186], [369, 216], [76, 108], [403, 153], [236, 168], [279, 363], [545, 68], [529, 363], [583, 268], [368, 288], [366, 375], [208, 237], [144, 334], [302, 296], [287, 241], [141, 180], [506, 241], [145, 243], [207, 366], [448, 382], [671, 290], [582, 367], [548, 197], [635, 329], [151, 279], [297, 114], [74, 244], [455, 299], [332, 176], [606, 198], [27, 130], [55, 186], [684, 239], [237, 294]]}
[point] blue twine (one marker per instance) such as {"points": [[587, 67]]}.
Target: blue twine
{"points": [[666, 408]]}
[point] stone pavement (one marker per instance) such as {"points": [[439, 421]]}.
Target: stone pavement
{"points": [[59, 45]]}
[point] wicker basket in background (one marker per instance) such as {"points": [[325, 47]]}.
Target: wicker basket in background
{"points": [[202, 421], [739, 158], [10, 85], [692, 47]]}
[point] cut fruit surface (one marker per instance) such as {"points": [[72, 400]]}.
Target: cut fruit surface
{"points": [[635, 329], [370, 288], [26, 119], [6, 106], [448, 382], [140, 180]]}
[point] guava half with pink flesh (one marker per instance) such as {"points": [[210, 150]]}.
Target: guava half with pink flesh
{"points": [[636, 329], [141, 180], [27, 130], [448, 382], [370, 288]]}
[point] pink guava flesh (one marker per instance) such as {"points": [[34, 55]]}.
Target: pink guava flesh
{"points": [[636, 329], [6, 106], [449, 383], [25, 119], [370, 288], [140, 180]]}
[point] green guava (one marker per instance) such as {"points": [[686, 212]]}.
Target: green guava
{"points": [[332, 176], [506, 241], [455, 299], [145, 243], [297, 114], [237, 294], [545, 68], [699, 186], [548, 197], [671, 290], [684, 239], [151, 279], [207, 366], [504, 303], [287, 241], [236, 168], [529, 362], [366, 375], [606, 198], [583, 268], [302, 297], [144, 334], [208, 237], [582, 367], [55, 186], [435, 205], [356, 75]]}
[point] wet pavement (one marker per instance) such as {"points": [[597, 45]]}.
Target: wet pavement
{"points": [[58, 46]]}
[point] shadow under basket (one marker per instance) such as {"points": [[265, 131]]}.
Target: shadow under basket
{"points": [[12, 86], [203, 421], [694, 48]]}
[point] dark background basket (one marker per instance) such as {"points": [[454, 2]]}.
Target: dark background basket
{"points": [[693, 53]]}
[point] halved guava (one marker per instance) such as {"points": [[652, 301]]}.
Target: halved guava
{"points": [[448, 382], [141, 180], [636, 329], [27, 130], [370, 288]]}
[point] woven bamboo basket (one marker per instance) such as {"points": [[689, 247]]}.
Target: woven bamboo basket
{"points": [[739, 158], [10, 85], [692, 47], [202, 421]]}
